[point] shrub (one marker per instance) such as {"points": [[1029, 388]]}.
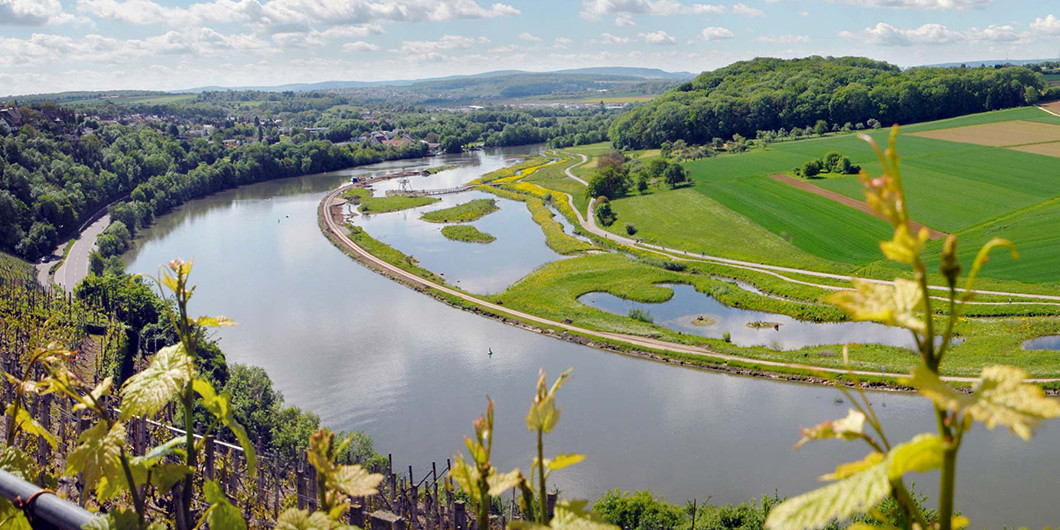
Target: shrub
{"points": [[640, 314], [631, 229]]}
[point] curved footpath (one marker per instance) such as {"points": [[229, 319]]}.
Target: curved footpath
{"points": [[338, 235]]}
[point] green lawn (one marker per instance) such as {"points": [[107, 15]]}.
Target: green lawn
{"points": [[687, 219], [462, 213], [371, 204], [467, 233]]}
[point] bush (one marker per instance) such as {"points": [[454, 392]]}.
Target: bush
{"points": [[630, 229], [638, 511], [640, 314]]}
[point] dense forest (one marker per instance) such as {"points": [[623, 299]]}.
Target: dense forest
{"points": [[768, 94], [65, 163]]}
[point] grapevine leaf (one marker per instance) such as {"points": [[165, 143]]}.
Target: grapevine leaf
{"points": [[295, 519], [849, 428], [838, 500], [563, 460], [922, 453], [101, 390], [15, 461], [845, 470], [145, 393], [28, 425], [165, 476], [11, 517], [904, 248], [354, 481], [218, 404], [502, 482], [221, 513], [98, 455], [114, 520], [575, 515], [175, 445], [1000, 397], [466, 476], [896, 304]]}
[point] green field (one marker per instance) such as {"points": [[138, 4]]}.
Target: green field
{"points": [[698, 223], [462, 213], [369, 204], [467, 234], [954, 187]]}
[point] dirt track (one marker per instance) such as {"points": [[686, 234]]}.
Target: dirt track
{"points": [[847, 201]]}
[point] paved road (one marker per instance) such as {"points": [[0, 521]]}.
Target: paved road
{"points": [[75, 268], [339, 232], [573, 176]]}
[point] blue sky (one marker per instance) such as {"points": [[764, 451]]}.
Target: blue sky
{"points": [[55, 45]]}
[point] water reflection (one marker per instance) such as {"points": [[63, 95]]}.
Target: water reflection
{"points": [[482, 269], [1048, 342], [683, 311]]}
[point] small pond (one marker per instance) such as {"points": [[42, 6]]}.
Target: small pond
{"points": [[478, 268], [683, 311], [1048, 342]]}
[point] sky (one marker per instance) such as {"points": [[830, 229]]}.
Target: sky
{"points": [[60, 45]]}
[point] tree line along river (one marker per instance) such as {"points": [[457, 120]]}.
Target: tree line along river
{"points": [[366, 353]]}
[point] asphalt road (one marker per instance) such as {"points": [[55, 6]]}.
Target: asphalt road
{"points": [[75, 268]]}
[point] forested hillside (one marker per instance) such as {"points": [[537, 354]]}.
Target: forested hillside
{"points": [[62, 164], [767, 94]]}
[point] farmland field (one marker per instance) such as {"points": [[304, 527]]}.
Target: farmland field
{"points": [[997, 134], [974, 191]]}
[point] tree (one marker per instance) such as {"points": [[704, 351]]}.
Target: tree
{"points": [[675, 175], [642, 184], [820, 128]]}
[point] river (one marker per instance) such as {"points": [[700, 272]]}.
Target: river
{"points": [[366, 353]]}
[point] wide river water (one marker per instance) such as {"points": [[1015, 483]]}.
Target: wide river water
{"points": [[366, 353]]}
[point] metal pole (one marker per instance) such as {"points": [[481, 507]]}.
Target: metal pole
{"points": [[46, 510]]}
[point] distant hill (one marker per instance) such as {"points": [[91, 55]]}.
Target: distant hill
{"points": [[609, 71], [646, 73]]}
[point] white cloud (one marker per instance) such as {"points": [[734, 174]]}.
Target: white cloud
{"points": [[744, 9], [884, 34], [713, 33], [563, 42], [359, 47], [625, 21], [316, 39], [1049, 25], [32, 13], [660, 37], [943, 5], [285, 15], [40, 48], [446, 43], [608, 38], [596, 9], [783, 39], [804, 14], [527, 36]]}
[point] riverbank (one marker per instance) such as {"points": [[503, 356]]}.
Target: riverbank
{"points": [[687, 355]]}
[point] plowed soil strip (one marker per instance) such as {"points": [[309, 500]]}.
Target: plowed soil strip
{"points": [[847, 201]]}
